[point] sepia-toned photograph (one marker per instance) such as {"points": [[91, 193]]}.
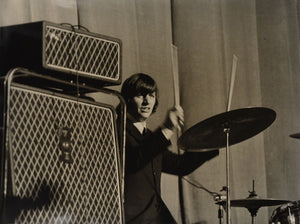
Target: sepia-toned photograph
{"points": [[150, 111]]}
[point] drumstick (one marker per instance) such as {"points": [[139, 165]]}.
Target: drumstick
{"points": [[174, 58], [233, 72], [175, 74]]}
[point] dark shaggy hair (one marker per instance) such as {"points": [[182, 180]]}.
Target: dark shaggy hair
{"points": [[139, 84]]}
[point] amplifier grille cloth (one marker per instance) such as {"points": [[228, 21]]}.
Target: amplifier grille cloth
{"points": [[77, 52], [86, 191]]}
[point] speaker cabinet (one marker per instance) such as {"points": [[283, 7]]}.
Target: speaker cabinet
{"points": [[61, 50], [61, 158]]}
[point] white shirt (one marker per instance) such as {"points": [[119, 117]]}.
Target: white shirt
{"points": [[140, 126]]}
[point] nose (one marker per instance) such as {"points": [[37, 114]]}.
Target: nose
{"points": [[145, 100]]}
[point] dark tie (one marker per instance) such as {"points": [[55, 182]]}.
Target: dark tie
{"points": [[144, 131]]}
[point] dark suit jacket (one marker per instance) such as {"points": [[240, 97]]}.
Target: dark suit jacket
{"points": [[146, 157]]}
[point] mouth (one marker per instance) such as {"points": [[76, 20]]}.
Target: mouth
{"points": [[145, 109]]}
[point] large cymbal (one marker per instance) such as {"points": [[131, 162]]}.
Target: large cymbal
{"points": [[243, 124], [252, 203]]}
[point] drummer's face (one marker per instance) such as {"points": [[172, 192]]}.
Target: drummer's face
{"points": [[142, 106]]}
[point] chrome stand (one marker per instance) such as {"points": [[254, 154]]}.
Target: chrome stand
{"points": [[228, 215]]}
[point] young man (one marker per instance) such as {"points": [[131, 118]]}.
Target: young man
{"points": [[147, 153]]}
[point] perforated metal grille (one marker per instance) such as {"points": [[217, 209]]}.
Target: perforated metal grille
{"points": [[84, 54], [85, 191]]}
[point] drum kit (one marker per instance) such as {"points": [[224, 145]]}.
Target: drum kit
{"points": [[230, 128]]}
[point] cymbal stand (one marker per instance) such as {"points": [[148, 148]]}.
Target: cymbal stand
{"points": [[220, 214], [227, 132], [219, 198], [228, 215], [253, 213], [253, 210]]}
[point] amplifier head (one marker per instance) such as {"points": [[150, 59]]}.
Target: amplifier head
{"points": [[61, 50]]}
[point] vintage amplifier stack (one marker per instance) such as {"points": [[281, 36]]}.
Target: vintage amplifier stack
{"points": [[60, 150]]}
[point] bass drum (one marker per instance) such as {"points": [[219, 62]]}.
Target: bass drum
{"points": [[287, 214]]}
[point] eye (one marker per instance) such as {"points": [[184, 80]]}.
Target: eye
{"points": [[152, 95]]}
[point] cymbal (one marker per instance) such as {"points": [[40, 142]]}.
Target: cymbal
{"points": [[252, 203], [242, 123], [296, 135]]}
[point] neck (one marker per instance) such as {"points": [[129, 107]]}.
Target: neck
{"points": [[135, 120]]}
